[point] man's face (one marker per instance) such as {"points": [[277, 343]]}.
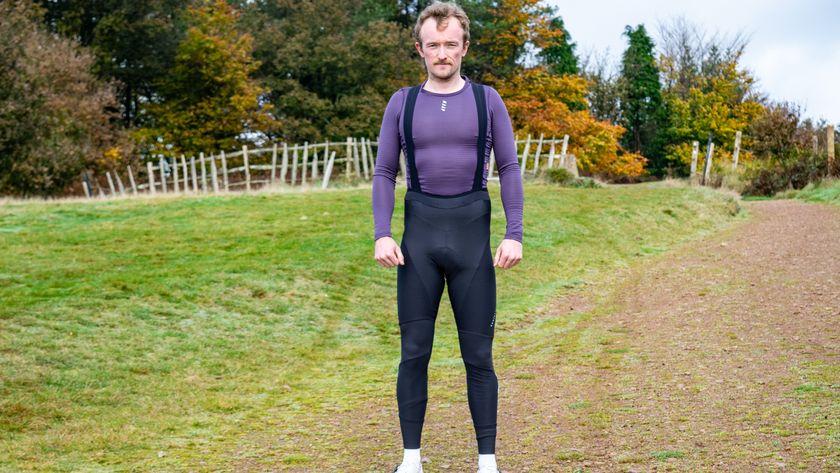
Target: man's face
{"points": [[442, 50]]}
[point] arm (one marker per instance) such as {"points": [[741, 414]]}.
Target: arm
{"points": [[507, 162], [387, 165]]}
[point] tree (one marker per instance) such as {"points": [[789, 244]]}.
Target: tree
{"points": [[208, 99], [641, 102], [604, 92], [706, 91], [536, 101], [329, 69], [133, 42], [55, 115], [504, 33], [559, 55]]}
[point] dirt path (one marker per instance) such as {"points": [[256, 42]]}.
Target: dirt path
{"points": [[722, 355]]}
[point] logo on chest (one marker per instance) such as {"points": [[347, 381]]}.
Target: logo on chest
{"points": [[443, 105]]}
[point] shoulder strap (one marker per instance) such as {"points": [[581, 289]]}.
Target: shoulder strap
{"points": [[481, 108], [408, 119]]}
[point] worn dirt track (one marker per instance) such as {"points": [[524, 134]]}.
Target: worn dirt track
{"points": [[720, 355]]}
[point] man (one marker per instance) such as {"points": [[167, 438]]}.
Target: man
{"points": [[446, 127]]}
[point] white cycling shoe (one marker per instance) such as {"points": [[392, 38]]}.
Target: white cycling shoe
{"points": [[408, 468]]}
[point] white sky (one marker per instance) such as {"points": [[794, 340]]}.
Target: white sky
{"points": [[793, 49]]}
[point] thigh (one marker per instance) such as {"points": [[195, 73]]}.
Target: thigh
{"points": [[472, 290], [420, 281]]}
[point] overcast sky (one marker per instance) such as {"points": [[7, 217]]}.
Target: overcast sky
{"points": [[793, 49]]}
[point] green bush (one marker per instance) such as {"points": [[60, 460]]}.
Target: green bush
{"points": [[584, 182], [558, 175]]}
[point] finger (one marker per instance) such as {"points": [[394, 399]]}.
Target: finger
{"points": [[496, 258], [506, 260], [500, 259], [400, 257], [392, 258]]}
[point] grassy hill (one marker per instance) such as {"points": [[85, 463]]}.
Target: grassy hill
{"points": [[154, 333]]}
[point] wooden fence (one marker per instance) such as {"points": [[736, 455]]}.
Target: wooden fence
{"points": [[285, 165]]}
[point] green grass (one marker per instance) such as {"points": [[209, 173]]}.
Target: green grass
{"points": [[154, 334], [824, 191]]}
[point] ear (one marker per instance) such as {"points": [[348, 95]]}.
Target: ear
{"points": [[466, 46], [418, 48]]}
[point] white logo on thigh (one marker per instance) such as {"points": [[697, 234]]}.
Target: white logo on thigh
{"points": [[494, 320], [443, 105]]}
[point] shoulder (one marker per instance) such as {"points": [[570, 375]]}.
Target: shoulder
{"points": [[494, 100], [395, 103], [492, 94]]}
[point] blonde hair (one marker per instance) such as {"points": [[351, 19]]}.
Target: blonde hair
{"points": [[441, 12]]}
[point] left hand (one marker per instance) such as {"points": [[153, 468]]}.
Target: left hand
{"points": [[508, 254]]}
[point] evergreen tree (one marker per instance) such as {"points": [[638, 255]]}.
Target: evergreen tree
{"points": [[560, 56], [641, 103]]}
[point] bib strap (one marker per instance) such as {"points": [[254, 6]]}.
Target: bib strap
{"points": [[408, 121]]}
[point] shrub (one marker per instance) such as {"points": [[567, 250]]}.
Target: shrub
{"points": [[794, 170], [558, 175]]}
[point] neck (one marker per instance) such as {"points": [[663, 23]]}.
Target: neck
{"points": [[440, 86]]}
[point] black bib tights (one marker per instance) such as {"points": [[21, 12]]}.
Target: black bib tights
{"points": [[447, 240]]}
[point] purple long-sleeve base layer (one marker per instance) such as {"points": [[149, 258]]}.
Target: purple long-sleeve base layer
{"points": [[445, 132]]}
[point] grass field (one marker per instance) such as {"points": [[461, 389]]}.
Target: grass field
{"points": [[154, 333]]}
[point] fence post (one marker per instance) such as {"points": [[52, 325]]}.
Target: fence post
{"points": [[110, 182], [695, 149], [328, 170], [326, 153], [186, 174], [213, 174], [194, 175], [119, 183], [707, 166], [551, 152], [284, 167], [737, 150], [294, 163], [247, 168], [364, 157], [131, 178], [349, 156], [273, 163], [224, 172], [305, 162], [175, 183], [564, 149], [537, 155], [162, 166], [525, 155], [151, 177], [372, 156], [313, 173], [203, 172]]}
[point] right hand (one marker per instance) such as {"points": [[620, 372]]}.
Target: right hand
{"points": [[388, 253]]}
